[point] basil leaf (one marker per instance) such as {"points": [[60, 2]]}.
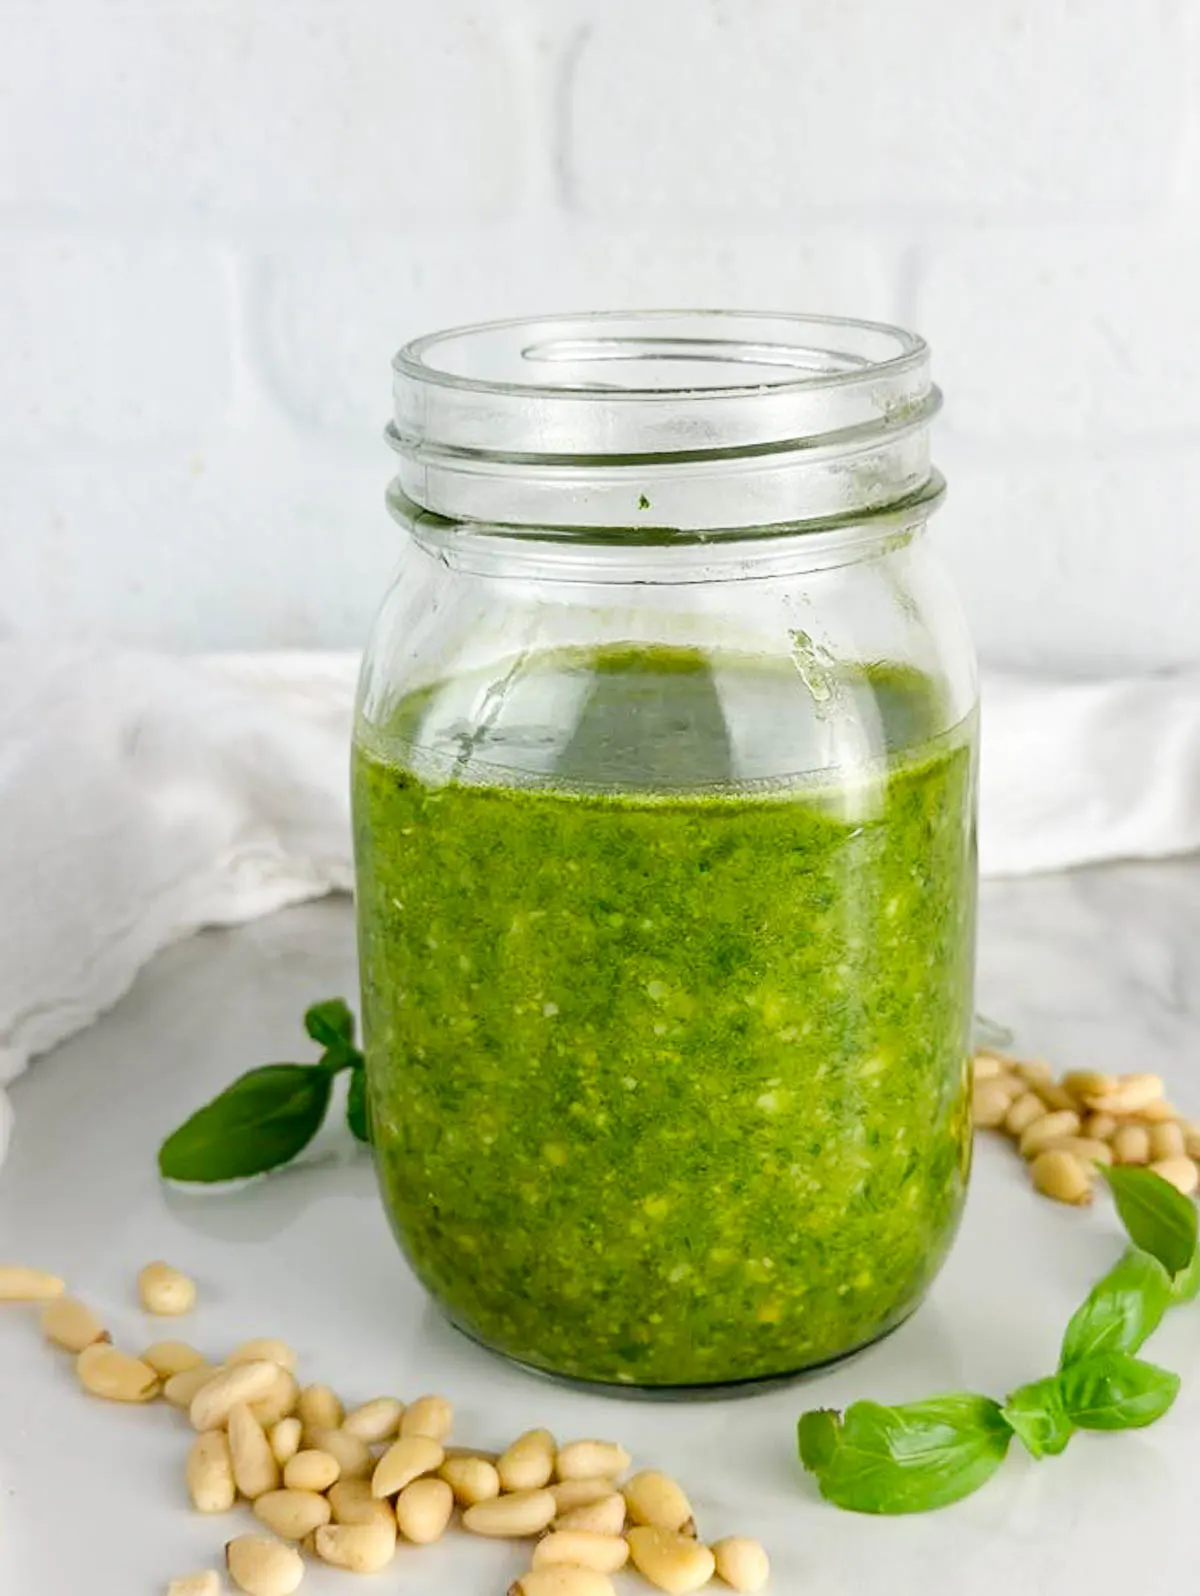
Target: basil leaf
{"points": [[906, 1459], [264, 1119], [1037, 1417], [1185, 1286], [1121, 1309], [818, 1433], [1159, 1219], [331, 1024], [1113, 1391], [358, 1113]]}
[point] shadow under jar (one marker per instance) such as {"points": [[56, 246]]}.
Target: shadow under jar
{"points": [[664, 797]]}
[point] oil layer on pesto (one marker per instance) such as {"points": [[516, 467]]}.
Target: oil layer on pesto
{"points": [[668, 1084]]}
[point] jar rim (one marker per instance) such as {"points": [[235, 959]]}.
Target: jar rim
{"points": [[415, 362]]}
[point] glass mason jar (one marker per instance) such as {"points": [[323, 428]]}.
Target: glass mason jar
{"points": [[664, 796]]}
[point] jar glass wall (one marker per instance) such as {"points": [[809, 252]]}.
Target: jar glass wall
{"points": [[664, 806]]}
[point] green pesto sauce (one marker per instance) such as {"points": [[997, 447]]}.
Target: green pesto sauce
{"points": [[668, 1086]]}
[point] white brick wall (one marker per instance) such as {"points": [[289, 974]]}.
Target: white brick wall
{"points": [[111, 342], [740, 108], [218, 218]]}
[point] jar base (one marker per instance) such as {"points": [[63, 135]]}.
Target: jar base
{"points": [[716, 1391]]}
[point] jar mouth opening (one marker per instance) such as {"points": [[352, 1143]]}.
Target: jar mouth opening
{"points": [[648, 356]]}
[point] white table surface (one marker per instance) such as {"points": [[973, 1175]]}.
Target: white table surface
{"points": [[1101, 968]]}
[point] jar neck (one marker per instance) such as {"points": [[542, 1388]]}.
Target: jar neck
{"points": [[621, 556]]}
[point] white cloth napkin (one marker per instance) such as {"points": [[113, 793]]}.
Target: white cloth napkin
{"points": [[144, 796], [1077, 773]]}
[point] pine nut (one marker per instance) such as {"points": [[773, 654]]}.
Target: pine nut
{"points": [[263, 1567], [254, 1467], [423, 1510], [404, 1461], [1092, 1152], [1062, 1176], [431, 1416], [559, 1579], [18, 1283], [206, 1583], [377, 1420], [1022, 1113], [585, 1460], [353, 1503], [285, 1440], [1048, 1129], [292, 1514], [1166, 1141], [656, 1499], [742, 1563], [279, 1402], [472, 1479], [1191, 1141], [1099, 1126], [518, 1514], [1056, 1098], [319, 1408], [1131, 1095], [605, 1553], [1008, 1086], [238, 1382], [603, 1517], [1158, 1111], [1033, 1073], [352, 1455], [105, 1372], [312, 1470], [165, 1291], [1178, 1172], [580, 1493], [71, 1324], [986, 1066], [989, 1104], [180, 1389], [209, 1473], [528, 1463], [362, 1548], [265, 1349], [671, 1562], [1086, 1084], [1131, 1144], [167, 1358]]}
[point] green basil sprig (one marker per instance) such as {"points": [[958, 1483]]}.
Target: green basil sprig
{"points": [[925, 1455], [1103, 1391], [270, 1114]]}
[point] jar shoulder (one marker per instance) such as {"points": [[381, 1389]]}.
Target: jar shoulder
{"points": [[670, 684]]}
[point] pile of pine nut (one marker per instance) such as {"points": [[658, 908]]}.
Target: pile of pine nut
{"points": [[1064, 1128], [348, 1486]]}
